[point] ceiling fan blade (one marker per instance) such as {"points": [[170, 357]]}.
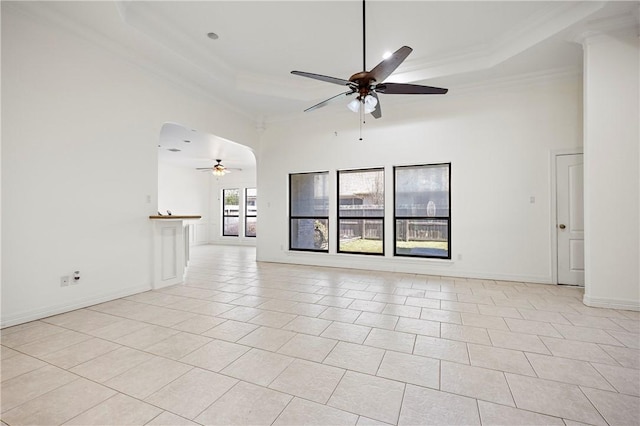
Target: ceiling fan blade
{"points": [[323, 103], [377, 113], [385, 68], [204, 168], [334, 80], [409, 89]]}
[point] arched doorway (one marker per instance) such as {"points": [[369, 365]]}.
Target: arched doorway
{"points": [[187, 185]]}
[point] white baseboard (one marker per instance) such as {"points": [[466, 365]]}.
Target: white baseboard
{"points": [[436, 267], [598, 302], [234, 241], [48, 311]]}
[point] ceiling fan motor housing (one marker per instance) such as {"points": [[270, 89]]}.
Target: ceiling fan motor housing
{"points": [[364, 83]]}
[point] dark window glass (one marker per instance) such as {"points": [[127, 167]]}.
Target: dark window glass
{"points": [[361, 211], [230, 212], [309, 211], [422, 208], [251, 212]]}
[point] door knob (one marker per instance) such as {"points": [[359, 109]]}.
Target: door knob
{"points": [[561, 226]]}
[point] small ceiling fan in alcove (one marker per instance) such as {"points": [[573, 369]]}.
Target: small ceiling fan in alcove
{"points": [[218, 169], [367, 84]]}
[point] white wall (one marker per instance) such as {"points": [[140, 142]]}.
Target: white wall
{"points": [[499, 143], [182, 190], [186, 191], [612, 163], [79, 166]]}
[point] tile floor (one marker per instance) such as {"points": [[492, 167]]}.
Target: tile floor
{"points": [[248, 343]]}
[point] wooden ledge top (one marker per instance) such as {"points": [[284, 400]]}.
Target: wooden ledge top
{"points": [[174, 217]]}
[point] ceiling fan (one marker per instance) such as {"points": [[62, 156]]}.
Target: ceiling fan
{"points": [[367, 84], [218, 169]]}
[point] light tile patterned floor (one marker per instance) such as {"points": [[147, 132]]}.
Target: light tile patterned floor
{"points": [[252, 343]]}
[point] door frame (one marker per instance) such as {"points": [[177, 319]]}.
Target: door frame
{"points": [[553, 156]]}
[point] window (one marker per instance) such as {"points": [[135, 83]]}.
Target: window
{"points": [[230, 212], [361, 211], [250, 211], [422, 211], [309, 211]]}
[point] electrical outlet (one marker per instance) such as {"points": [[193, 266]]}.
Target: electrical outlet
{"points": [[64, 281]]}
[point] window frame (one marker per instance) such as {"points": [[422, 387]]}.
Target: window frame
{"points": [[298, 217], [224, 215], [246, 211], [441, 218], [339, 217]]}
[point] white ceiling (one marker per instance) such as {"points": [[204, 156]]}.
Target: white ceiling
{"points": [[199, 149], [456, 44]]}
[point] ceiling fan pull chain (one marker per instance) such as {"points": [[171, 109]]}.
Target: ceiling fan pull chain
{"points": [[361, 121]]}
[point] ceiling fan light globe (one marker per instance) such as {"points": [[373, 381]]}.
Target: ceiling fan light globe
{"points": [[354, 105], [370, 103]]}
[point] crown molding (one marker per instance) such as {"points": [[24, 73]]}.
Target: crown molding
{"points": [[551, 20], [596, 30], [541, 26], [178, 70], [520, 81], [511, 83], [46, 14], [288, 87]]}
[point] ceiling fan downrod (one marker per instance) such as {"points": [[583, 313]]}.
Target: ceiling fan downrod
{"points": [[364, 39]]}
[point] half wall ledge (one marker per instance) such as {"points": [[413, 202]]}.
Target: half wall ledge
{"points": [[170, 248], [175, 217]]}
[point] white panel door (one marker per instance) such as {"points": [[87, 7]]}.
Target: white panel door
{"points": [[570, 219]]}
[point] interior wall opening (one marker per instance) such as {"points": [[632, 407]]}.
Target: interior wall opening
{"points": [[195, 171]]}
